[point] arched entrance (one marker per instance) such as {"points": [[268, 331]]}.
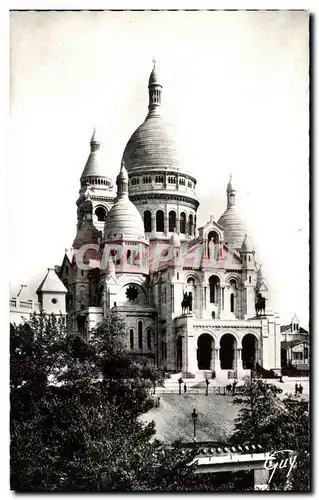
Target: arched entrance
{"points": [[228, 345], [249, 352], [205, 346]]}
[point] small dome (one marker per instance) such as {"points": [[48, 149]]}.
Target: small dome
{"points": [[154, 78], [234, 229], [123, 219], [93, 167], [175, 241], [247, 245]]}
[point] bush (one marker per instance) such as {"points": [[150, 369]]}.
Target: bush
{"points": [[265, 373]]}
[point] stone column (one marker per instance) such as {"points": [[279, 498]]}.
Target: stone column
{"points": [[239, 359], [192, 365], [226, 307], [165, 224], [223, 298], [184, 353], [213, 358], [153, 223], [217, 361]]}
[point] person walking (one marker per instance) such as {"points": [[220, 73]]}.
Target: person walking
{"points": [[207, 384], [296, 389], [300, 389], [234, 386], [185, 388]]}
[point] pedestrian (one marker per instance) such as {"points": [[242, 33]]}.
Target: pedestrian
{"points": [[296, 389], [185, 388], [213, 374], [300, 388], [207, 384], [234, 386]]}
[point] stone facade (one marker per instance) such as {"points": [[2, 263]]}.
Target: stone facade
{"points": [[187, 294]]}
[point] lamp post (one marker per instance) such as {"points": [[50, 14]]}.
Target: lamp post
{"points": [[194, 417]]}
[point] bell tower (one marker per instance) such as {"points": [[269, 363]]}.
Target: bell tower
{"points": [[97, 184]]}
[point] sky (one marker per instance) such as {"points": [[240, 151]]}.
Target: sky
{"points": [[235, 89]]}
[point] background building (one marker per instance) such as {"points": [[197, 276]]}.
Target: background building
{"points": [[295, 348]]}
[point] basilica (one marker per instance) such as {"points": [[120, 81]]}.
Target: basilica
{"points": [[193, 298]]}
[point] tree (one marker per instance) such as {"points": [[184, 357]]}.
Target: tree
{"points": [[74, 414], [276, 424], [259, 405]]}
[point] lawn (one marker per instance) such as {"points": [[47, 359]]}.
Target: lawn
{"points": [[173, 419]]}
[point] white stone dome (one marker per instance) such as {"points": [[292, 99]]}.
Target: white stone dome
{"points": [[152, 146], [123, 219], [234, 229], [247, 245]]}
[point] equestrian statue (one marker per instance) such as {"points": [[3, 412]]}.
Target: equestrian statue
{"points": [[260, 305], [187, 303]]}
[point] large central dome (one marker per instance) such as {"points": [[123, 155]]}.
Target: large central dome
{"points": [[153, 144]]}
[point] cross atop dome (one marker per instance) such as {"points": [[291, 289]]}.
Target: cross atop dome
{"points": [[154, 62]]}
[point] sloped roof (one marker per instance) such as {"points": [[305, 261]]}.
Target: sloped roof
{"points": [[51, 283], [285, 328], [291, 343]]}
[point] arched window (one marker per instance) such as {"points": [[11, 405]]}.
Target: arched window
{"points": [[182, 223], [249, 279], [100, 213], [160, 221], [149, 339], [128, 255], [213, 287], [131, 338], [190, 225], [171, 221], [140, 334], [232, 302], [233, 284], [213, 236], [147, 221]]}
